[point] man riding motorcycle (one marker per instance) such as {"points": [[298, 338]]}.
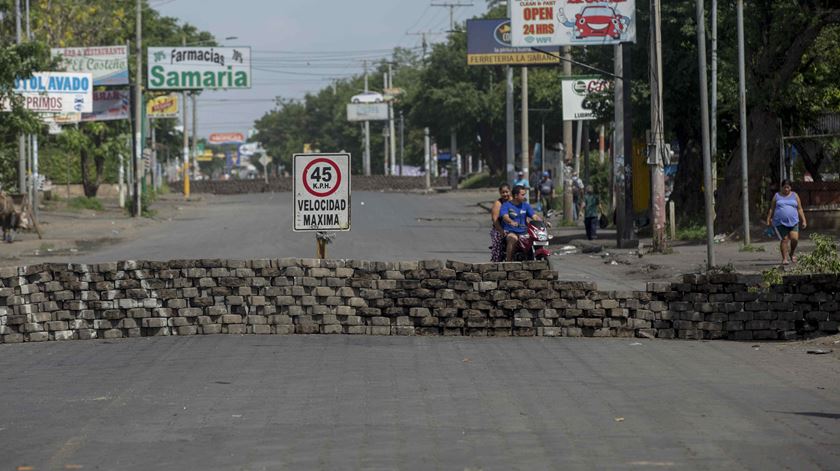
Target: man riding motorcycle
{"points": [[515, 215]]}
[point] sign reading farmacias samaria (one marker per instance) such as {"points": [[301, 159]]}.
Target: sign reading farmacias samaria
{"points": [[322, 192], [55, 92], [537, 23], [107, 64], [192, 68]]}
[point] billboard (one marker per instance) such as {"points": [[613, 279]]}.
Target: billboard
{"points": [[575, 93], [192, 68], [55, 92], [107, 64], [226, 138], [488, 43], [163, 107], [109, 105], [367, 112], [540, 23]]}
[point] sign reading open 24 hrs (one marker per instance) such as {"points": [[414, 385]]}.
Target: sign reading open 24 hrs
{"points": [[322, 192], [537, 23]]}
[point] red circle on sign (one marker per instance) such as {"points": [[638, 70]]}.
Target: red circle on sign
{"points": [[337, 178]]}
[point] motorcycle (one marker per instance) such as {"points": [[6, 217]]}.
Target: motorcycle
{"points": [[533, 245]]}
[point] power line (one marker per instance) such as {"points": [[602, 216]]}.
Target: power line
{"points": [[452, 7]]}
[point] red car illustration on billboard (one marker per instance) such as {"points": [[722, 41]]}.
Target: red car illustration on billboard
{"points": [[600, 21]]}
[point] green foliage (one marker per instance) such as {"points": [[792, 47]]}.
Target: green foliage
{"points": [[691, 232], [772, 276], [823, 259], [751, 248], [481, 180], [83, 202]]}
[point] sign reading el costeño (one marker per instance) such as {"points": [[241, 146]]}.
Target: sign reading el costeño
{"points": [[107, 64], [191, 68], [488, 43]]}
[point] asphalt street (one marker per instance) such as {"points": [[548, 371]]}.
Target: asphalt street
{"points": [[385, 227], [320, 402]]}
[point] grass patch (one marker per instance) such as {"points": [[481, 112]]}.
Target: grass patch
{"points": [[692, 232], [751, 248], [80, 203], [481, 180]]}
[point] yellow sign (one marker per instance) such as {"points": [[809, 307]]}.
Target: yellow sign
{"points": [[307, 148], [163, 107], [523, 58]]}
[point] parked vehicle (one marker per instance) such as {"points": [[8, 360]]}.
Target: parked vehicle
{"points": [[368, 97], [534, 244]]}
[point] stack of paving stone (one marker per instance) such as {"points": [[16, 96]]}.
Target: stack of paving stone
{"points": [[305, 296], [359, 183]]}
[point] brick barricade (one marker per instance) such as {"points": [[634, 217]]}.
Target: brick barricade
{"points": [[279, 185], [304, 296]]}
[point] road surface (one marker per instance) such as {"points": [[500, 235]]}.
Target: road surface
{"points": [[322, 402]]}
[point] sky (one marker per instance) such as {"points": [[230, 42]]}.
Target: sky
{"points": [[299, 46]]}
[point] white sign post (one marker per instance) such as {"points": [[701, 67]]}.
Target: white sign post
{"points": [[575, 93], [322, 192], [55, 92]]}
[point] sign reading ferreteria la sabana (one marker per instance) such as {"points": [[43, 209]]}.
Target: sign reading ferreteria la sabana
{"points": [[190, 68]]}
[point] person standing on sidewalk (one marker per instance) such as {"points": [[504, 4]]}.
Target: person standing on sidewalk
{"points": [[591, 202], [785, 216], [545, 193]]}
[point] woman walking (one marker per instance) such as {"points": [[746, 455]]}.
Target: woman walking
{"points": [[785, 216], [497, 234]]}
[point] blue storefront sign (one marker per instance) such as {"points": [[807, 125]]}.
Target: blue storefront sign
{"points": [[488, 43]]}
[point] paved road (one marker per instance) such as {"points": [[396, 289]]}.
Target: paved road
{"points": [[386, 226], [254, 403]]}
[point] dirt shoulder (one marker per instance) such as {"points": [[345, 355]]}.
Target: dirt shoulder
{"points": [[66, 231]]}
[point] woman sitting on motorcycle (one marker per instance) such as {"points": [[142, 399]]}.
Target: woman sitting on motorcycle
{"points": [[497, 233]]}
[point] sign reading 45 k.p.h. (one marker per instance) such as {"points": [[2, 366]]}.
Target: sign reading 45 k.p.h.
{"points": [[322, 192]]}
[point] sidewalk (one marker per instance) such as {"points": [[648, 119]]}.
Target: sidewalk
{"points": [[67, 232], [576, 258]]}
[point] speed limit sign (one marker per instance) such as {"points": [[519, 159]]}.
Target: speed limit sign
{"points": [[322, 192]]}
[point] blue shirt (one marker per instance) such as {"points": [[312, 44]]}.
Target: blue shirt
{"points": [[787, 210], [517, 214], [523, 183]]}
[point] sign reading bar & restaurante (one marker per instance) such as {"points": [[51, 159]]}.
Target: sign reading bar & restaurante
{"points": [[107, 64], [192, 68]]}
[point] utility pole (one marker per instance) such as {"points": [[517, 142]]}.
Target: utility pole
{"points": [[568, 147], [454, 164], [742, 102], [714, 41], [402, 142], [526, 164], [657, 144], [35, 174], [623, 151], [510, 133], [186, 137], [21, 137], [391, 123], [451, 7], [138, 111], [427, 148], [366, 156], [193, 150], [704, 116]]}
